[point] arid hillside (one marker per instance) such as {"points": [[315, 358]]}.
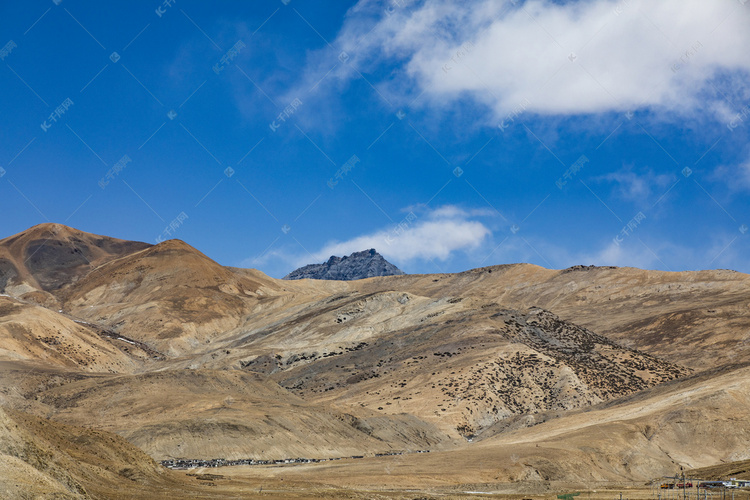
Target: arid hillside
{"points": [[29, 332], [44, 459], [47, 257], [625, 443], [518, 373], [228, 414], [681, 317]]}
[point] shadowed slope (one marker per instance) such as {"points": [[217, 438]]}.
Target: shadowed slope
{"points": [[49, 256], [53, 460]]}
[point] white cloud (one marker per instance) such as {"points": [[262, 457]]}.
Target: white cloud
{"points": [[626, 255], [434, 234], [736, 177], [636, 187], [743, 175], [548, 253], [423, 234], [453, 211], [626, 54]]}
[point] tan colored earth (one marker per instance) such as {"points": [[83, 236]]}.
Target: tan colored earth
{"points": [[518, 380]]}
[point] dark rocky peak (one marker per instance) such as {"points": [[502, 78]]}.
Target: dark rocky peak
{"points": [[359, 265]]}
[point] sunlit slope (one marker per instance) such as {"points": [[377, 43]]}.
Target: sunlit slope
{"points": [[228, 414], [695, 422], [31, 333]]}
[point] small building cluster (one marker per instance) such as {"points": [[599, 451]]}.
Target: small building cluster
{"points": [[728, 484], [183, 463]]}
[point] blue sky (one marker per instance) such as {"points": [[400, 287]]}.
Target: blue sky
{"points": [[447, 135]]}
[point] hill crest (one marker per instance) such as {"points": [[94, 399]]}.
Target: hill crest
{"points": [[47, 257]]}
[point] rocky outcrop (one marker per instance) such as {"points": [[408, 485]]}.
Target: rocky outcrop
{"points": [[357, 266]]}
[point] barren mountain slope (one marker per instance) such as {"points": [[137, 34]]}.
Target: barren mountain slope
{"points": [[460, 370], [685, 317], [447, 361], [694, 422], [32, 333], [232, 364], [170, 296], [180, 301], [44, 459], [738, 470], [226, 414], [44, 258]]}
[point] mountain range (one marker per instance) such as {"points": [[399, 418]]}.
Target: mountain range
{"points": [[116, 355]]}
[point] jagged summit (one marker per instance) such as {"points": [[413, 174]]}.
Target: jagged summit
{"points": [[357, 266]]}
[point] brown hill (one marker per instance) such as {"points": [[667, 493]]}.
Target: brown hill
{"points": [[647, 435], [171, 296], [44, 459], [446, 362], [622, 444], [685, 317], [227, 414], [29, 332], [732, 470], [516, 372], [50, 256], [178, 301]]}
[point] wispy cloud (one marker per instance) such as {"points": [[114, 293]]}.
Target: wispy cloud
{"points": [[736, 177], [423, 234], [435, 234], [548, 253], [572, 58], [721, 250], [631, 254], [436, 237], [638, 187]]}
